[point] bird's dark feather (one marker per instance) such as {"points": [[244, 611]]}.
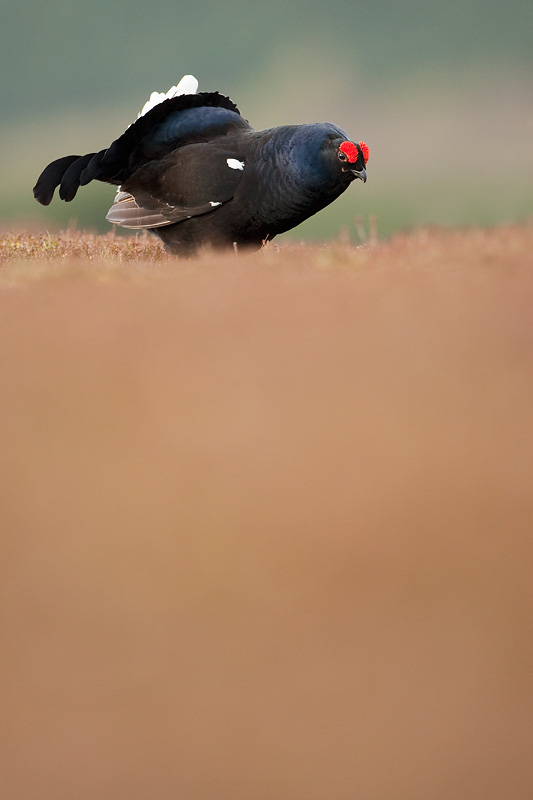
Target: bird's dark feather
{"points": [[170, 124], [50, 178], [70, 181]]}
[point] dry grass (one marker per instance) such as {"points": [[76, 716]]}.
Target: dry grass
{"points": [[266, 520], [79, 246], [26, 256]]}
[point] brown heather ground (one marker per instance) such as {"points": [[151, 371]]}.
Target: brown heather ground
{"points": [[267, 520]]}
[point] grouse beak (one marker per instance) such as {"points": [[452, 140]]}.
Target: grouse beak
{"points": [[359, 173]]}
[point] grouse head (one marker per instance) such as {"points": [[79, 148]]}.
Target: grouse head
{"points": [[353, 158], [323, 160]]}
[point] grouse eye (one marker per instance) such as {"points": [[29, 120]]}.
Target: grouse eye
{"points": [[343, 156]]}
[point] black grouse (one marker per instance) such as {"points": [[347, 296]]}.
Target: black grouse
{"points": [[193, 171]]}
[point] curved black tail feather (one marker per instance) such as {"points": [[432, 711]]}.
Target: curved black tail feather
{"points": [[70, 182], [50, 177]]}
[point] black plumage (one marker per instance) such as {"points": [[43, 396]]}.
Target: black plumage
{"points": [[193, 171]]}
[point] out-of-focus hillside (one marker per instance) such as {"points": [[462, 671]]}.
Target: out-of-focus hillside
{"points": [[441, 94]]}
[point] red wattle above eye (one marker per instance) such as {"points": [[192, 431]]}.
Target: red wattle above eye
{"points": [[350, 150]]}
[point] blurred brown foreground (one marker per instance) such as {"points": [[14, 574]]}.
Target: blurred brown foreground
{"points": [[267, 525]]}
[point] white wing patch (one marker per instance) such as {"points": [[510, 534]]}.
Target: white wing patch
{"points": [[187, 85], [233, 163]]}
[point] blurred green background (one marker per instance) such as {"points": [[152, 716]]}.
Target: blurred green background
{"points": [[441, 92]]}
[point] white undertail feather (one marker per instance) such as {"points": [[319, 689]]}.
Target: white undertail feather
{"points": [[187, 85]]}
